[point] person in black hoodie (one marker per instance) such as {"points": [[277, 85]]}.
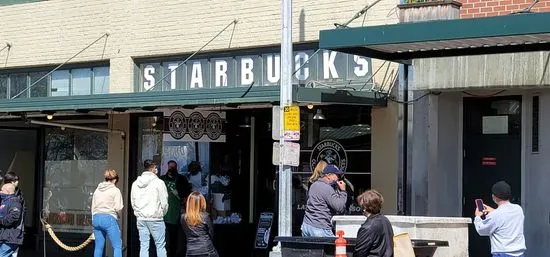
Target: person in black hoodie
{"points": [[11, 221], [198, 228], [12, 178], [375, 236]]}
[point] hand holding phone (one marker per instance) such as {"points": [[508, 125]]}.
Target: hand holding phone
{"points": [[479, 205]]}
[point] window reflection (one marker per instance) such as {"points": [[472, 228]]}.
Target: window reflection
{"points": [[18, 83], [40, 89], [81, 81], [60, 83], [3, 87], [101, 80], [75, 162]]}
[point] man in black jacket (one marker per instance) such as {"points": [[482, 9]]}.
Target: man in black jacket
{"points": [[11, 220], [375, 237], [179, 189]]}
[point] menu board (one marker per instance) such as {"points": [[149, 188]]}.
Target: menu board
{"points": [[263, 231]]}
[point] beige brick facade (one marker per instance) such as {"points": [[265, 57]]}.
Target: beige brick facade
{"points": [[49, 32]]}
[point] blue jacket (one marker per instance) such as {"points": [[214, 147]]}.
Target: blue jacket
{"points": [[11, 219]]}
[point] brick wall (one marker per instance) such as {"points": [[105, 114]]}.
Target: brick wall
{"points": [[49, 32], [486, 8]]}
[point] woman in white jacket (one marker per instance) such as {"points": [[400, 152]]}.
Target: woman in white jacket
{"points": [[106, 205], [149, 199]]}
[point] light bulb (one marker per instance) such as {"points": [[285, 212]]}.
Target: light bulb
{"points": [[49, 116], [310, 106]]}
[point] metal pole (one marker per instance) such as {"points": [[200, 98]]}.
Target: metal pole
{"points": [[285, 173], [405, 168]]}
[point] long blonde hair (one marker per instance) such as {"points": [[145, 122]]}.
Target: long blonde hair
{"points": [[321, 165], [195, 205]]}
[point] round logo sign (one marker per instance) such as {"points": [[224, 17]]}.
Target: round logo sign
{"points": [[177, 125], [330, 151], [214, 126], [196, 125]]}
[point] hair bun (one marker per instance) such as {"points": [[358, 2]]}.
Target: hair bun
{"points": [[110, 174]]}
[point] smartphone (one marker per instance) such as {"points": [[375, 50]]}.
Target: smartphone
{"points": [[479, 204]]}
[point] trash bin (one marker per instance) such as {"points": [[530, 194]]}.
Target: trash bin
{"points": [[324, 246]]}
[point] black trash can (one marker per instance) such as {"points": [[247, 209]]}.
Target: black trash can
{"points": [[324, 246]]}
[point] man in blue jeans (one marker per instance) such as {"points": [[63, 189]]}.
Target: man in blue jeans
{"points": [[504, 225], [11, 220], [149, 198]]}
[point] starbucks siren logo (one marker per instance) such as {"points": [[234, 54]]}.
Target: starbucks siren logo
{"points": [[177, 125], [330, 151]]}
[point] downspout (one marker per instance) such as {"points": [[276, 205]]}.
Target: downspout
{"points": [[404, 187]]}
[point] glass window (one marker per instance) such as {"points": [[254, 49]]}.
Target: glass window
{"points": [[18, 83], [41, 88], [60, 83], [3, 87], [82, 81], [101, 80], [75, 162]]}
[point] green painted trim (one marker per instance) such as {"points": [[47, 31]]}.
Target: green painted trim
{"points": [[440, 30], [267, 94], [12, 2]]}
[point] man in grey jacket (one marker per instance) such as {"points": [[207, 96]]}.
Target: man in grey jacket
{"points": [[149, 199], [326, 197]]}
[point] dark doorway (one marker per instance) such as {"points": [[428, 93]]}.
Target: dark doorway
{"points": [[492, 152]]}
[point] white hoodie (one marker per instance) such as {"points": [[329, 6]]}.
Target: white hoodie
{"points": [[149, 197], [107, 199]]}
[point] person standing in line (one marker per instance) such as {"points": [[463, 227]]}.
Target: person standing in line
{"points": [[11, 221], [178, 189], [149, 199], [106, 206], [12, 178], [375, 236], [504, 225], [198, 228], [326, 197]]}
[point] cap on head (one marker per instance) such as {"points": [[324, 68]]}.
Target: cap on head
{"points": [[502, 190], [332, 169], [149, 164]]}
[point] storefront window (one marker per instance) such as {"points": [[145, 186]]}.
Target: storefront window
{"points": [[60, 83], [3, 87], [18, 83], [341, 136], [40, 89], [75, 162], [81, 81]]}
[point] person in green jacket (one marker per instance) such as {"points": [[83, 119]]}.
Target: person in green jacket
{"points": [[179, 189]]}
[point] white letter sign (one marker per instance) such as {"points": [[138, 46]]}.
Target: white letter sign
{"points": [[247, 76], [196, 75], [329, 70], [220, 73], [149, 79]]}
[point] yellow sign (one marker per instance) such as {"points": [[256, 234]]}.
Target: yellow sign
{"points": [[292, 122]]}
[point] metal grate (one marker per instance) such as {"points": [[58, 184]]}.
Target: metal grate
{"points": [[535, 126]]}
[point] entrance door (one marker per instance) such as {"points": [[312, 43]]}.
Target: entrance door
{"points": [[492, 152]]}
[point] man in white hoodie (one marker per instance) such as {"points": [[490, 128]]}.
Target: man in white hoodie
{"points": [[149, 199]]}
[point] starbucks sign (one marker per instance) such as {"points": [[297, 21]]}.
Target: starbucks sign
{"points": [[330, 67]]}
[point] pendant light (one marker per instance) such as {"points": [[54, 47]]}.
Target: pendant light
{"points": [[319, 115]]}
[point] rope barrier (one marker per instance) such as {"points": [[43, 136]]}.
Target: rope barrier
{"points": [[49, 228]]}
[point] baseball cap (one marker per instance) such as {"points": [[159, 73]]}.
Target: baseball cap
{"points": [[332, 169]]}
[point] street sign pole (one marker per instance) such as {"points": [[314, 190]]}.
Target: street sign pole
{"points": [[285, 173]]}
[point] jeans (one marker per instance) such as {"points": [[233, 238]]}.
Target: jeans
{"points": [[148, 228], [106, 225], [6, 250], [504, 255], [311, 231]]}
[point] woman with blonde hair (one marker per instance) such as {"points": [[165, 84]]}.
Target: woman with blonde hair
{"points": [[317, 172], [106, 206], [198, 227]]}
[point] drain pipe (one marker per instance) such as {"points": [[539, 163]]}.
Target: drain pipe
{"points": [[62, 125]]}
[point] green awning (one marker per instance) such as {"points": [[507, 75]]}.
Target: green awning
{"points": [[441, 38], [215, 96]]}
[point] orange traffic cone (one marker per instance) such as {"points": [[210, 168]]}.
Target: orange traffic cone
{"points": [[340, 243]]}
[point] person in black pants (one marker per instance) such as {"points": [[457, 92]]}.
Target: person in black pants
{"points": [[178, 189]]}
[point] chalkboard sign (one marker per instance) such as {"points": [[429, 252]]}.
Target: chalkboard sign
{"points": [[263, 231]]}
